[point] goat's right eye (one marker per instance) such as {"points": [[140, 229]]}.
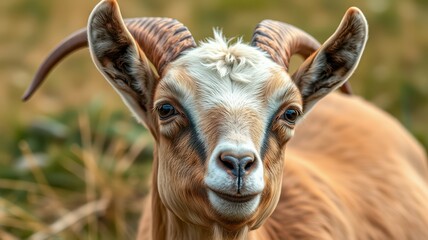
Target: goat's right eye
{"points": [[290, 115], [166, 111]]}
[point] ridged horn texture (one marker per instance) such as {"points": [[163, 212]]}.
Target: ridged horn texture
{"points": [[161, 39], [281, 41]]}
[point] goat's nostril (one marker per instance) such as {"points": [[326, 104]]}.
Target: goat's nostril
{"points": [[229, 162], [237, 166], [246, 163]]}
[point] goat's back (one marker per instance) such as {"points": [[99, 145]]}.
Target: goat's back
{"points": [[352, 172]]}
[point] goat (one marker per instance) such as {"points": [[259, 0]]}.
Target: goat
{"points": [[221, 115]]}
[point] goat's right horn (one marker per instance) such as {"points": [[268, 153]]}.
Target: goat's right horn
{"points": [[281, 41], [161, 39]]}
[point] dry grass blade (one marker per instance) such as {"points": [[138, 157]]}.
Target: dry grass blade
{"points": [[39, 176], [93, 176], [127, 160], [28, 186], [72, 167], [21, 224], [13, 215], [68, 220]]}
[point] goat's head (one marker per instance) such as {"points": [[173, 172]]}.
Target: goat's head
{"points": [[220, 113]]}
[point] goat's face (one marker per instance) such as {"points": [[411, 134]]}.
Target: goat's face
{"points": [[223, 115]]}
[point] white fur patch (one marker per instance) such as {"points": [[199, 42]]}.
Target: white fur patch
{"points": [[233, 210]]}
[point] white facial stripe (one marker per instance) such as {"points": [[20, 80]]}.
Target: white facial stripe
{"points": [[215, 68]]}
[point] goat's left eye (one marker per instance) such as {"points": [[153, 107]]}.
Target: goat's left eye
{"points": [[166, 111], [290, 115]]}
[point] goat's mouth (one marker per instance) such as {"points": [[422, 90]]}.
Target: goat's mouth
{"points": [[234, 207], [235, 198]]}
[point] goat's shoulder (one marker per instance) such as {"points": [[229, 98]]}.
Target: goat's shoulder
{"points": [[350, 129]]}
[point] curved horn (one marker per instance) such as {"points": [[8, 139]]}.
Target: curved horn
{"points": [[75, 41], [161, 39], [281, 41]]}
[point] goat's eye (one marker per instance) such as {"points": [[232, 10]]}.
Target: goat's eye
{"points": [[166, 111], [290, 115]]}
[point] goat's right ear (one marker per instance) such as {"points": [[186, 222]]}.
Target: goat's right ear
{"points": [[335, 61], [121, 61]]}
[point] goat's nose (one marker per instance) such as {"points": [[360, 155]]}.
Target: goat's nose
{"points": [[237, 165]]}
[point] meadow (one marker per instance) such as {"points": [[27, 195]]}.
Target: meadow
{"points": [[74, 164]]}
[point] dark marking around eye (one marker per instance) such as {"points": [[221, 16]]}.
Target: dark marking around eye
{"points": [[267, 131], [195, 140]]}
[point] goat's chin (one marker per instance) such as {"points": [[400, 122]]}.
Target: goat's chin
{"points": [[233, 211]]}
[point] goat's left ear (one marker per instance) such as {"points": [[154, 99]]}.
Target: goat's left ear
{"points": [[119, 58], [335, 61]]}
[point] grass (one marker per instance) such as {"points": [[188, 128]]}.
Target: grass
{"points": [[94, 192]]}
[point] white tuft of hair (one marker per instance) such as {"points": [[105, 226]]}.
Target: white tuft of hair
{"points": [[229, 58]]}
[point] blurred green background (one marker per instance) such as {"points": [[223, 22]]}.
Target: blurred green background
{"points": [[73, 162]]}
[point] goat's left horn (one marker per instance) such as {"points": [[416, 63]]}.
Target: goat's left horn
{"points": [[73, 43], [281, 41]]}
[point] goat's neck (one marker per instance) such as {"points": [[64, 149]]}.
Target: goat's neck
{"points": [[174, 228]]}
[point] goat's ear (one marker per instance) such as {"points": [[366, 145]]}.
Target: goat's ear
{"points": [[121, 61], [335, 61]]}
